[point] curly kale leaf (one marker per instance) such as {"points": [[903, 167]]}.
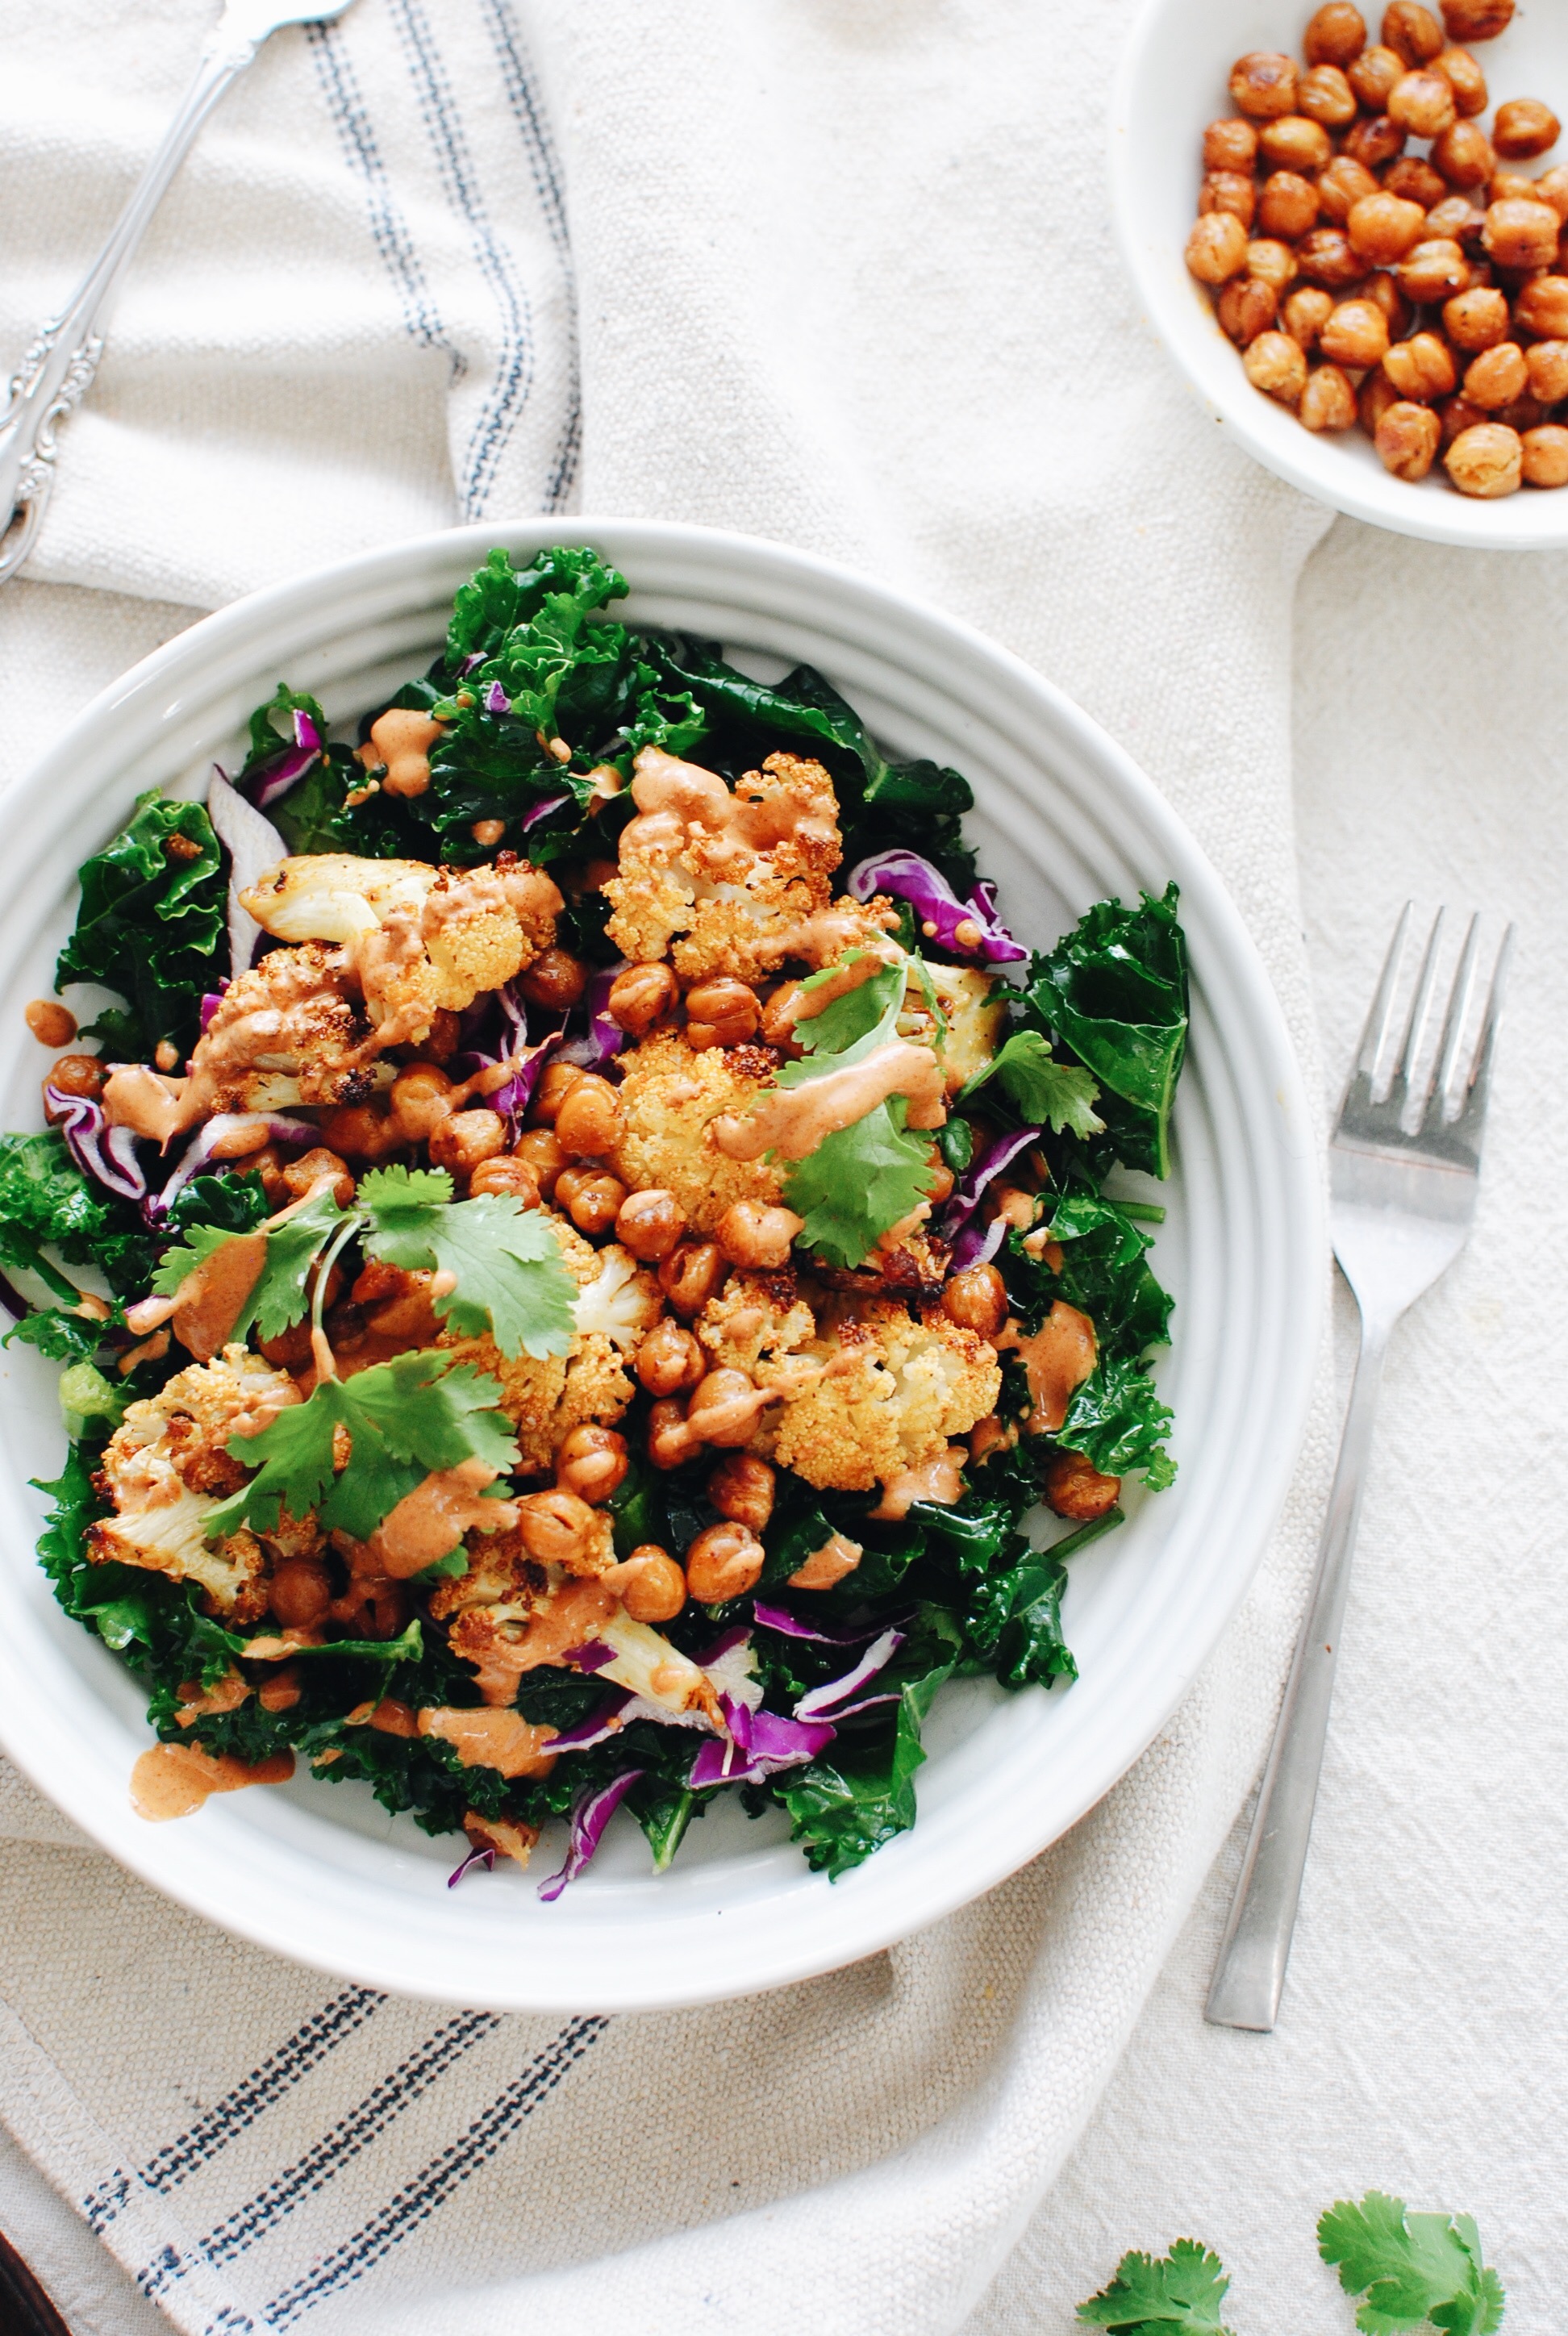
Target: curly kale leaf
{"points": [[1116, 1420], [842, 1810], [151, 921], [1115, 991]]}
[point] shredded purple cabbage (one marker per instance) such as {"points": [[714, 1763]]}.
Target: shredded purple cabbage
{"points": [[968, 928], [281, 1129], [591, 1812], [774, 1743], [99, 1150], [603, 1721], [469, 662], [828, 1701], [605, 1038], [977, 1243], [591, 1656], [544, 807], [982, 1171], [496, 700], [796, 1626], [737, 1636], [485, 1857], [275, 779], [212, 1001]]}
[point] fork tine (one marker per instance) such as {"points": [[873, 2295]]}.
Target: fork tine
{"points": [[1399, 1091], [1472, 1110], [1461, 1000], [1375, 1036]]}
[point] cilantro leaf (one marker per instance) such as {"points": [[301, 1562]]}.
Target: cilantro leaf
{"points": [[1149, 2293], [1044, 1092], [510, 1274], [406, 1419], [858, 1014], [1416, 2270], [280, 1297], [859, 1182]]}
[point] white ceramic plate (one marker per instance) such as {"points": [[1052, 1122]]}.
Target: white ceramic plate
{"points": [[318, 1871], [1172, 81]]}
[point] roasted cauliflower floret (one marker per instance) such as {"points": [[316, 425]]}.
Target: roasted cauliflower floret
{"points": [[669, 1095], [167, 1466], [754, 1322], [974, 1021], [286, 1033], [892, 1392], [546, 1399]]}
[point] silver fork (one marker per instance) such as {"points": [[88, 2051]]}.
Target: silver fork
{"points": [[1404, 1161], [57, 371]]}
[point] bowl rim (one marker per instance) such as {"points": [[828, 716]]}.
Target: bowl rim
{"points": [[1268, 431], [875, 1914]]}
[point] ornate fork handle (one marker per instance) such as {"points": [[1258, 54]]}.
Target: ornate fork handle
{"points": [[57, 370]]}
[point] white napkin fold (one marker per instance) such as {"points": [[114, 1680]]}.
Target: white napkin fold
{"points": [[843, 278]]}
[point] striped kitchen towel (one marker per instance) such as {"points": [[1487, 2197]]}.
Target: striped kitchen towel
{"points": [[843, 276]]}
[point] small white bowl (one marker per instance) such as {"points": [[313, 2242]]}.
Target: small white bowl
{"points": [[318, 1871], [1172, 82]]}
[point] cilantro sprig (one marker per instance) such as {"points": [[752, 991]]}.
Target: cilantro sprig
{"points": [[1152, 2293], [1044, 1093], [508, 1274]]}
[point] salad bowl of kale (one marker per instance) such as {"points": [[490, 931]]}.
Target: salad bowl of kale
{"points": [[664, 1251]]}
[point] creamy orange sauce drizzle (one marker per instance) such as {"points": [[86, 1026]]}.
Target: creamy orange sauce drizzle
{"points": [[793, 1121], [209, 1301], [1056, 1361], [172, 1780], [932, 1480], [837, 1557], [492, 1739], [431, 1521], [402, 739], [679, 800]]}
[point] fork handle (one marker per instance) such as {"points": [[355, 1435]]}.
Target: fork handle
{"points": [[57, 371], [1250, 1974]]}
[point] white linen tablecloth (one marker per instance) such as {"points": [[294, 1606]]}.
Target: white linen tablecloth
{"points": [[841, 275]]}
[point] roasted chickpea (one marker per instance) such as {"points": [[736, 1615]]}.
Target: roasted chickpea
{"points": [[1325, 258], [1432, 271], [1276, 365], [361, 1132], [669, 1361], [556, 1082], [1297, 143], [669, 1445], [1467, 80], [1075, 1488], [940, 1178], [1342, 186], [1422, 369], [1412, 32], [300, 1593], [1217, 248], [1487, 462], [556, 1528], [592, 1462], [78, 1075], [1373, 76], [1383, 291], [1271, 263], [1382, 228], [1476, 20], [1325, 96], [1224, 191], [1457, 220], [1356, 333], [591, 1120], [1263, 84], [1546, 363], [595, 1200], [1374, 140], [1334, 34], [1407, 439], [507, 1178], [724, 1012], [1306, 313], [754, 1235], [1524, 128], [692, 1274], [1510, 186], [1476, 320], [649, 1224], [1373, 400], [1553, 188], [465, 1139], [1522, 234], [723, 1561], [1544, 458], [1287, 206], [1414, 182], [1464, 155], [723, 1408], [1230, 145], [1497, 377], [555, 980], [741, 1488], [419, 1101], [51, 1023], [641, 996], [269, 1163], [543, 1156], [650, 1585], [308, 1171], [977, 1299], [1329, 400], [1542, 307], [1423, 106], [1456, 415], [1525, 413]]}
